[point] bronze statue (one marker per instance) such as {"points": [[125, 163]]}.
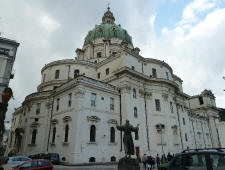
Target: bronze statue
{"points": [[127, 137]]}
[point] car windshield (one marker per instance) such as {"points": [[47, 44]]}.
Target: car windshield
{"points": [[54, 155]]}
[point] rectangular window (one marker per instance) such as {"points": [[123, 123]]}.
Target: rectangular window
{"points": [[107, 71], [38, 108], [36, 119], [136, 135], [111, 103], [93, 99], [171, 107], [157, 105], [69, 99], [186, 137], [183, 121], [57, 74], [57, 104], [76, 73], [167, 75], [99, 54], [154, 73], [201, 100], [99, 75], [44, 76]]}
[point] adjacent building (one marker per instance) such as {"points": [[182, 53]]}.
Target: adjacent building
{"points": [[8, 50], [80, 101]]}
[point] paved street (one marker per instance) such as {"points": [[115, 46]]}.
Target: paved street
{"points": [[94, 167]]}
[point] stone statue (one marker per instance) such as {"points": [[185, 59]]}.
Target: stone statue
{"points": [[127, 137]]}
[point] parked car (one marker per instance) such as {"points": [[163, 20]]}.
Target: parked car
{"points": [[54, 158], [17, 160], [197, 159], [39, 164]]}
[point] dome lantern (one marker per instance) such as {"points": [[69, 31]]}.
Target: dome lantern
{"points": [[108, 17]]}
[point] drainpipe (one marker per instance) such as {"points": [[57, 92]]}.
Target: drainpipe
{"points": [[178, 116], [50, 121], [194, 133], [146, 115], [121, 141]]}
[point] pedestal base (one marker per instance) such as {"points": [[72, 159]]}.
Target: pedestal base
{"points": [[128, 164]]}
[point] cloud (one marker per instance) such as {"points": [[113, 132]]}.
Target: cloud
{"points": [[196, 53], [190, 13]]}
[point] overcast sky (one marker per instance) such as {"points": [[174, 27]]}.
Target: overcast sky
{"points": [[187, 34]]}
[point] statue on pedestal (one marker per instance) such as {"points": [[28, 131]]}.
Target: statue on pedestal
{"points": [[128, 163]]}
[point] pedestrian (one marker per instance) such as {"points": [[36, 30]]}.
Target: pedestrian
{"points": [[163, 159], [169, 157], [144, 158], [157, 160], [148, 163], [152, 162]]}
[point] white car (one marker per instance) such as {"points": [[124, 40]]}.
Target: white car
{"points": [[17, 160]]}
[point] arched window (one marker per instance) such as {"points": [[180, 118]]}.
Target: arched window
{"points": [[134, 93], [113, 159], [92, 159], [66, 133], [57, 74], [92, 133], [53, 135], [34, 134], [135, 112], [112, 134]]}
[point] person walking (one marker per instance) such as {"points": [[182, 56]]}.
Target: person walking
{"points": [[163, 159], [157, 160], [169, 157], [148, 163], [144, 159]]}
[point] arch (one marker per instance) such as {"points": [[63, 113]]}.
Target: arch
{"points": [[112, 134], [113, 159], [66, 133], [92, 159], [135, 112], [134, 93], [34, 134], [53, 135], [92, 133]]}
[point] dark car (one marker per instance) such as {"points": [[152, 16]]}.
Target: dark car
{"points": [[197, 159], [54, 158], [38, 164]]}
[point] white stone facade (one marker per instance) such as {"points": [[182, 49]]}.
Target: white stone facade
{"points": [[79, 103], [8, 50]]}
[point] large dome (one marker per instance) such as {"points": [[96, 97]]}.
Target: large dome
{"points": [[107, 29]]}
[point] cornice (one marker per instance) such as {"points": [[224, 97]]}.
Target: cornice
{"points": [[37, 96], [51, 82], [68, 61], [8, 41], [144, 77]]}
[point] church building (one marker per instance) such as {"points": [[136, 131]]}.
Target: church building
{"points": [[80, 101]]}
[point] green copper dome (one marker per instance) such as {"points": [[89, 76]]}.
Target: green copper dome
{"points": [[107, 29]]}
